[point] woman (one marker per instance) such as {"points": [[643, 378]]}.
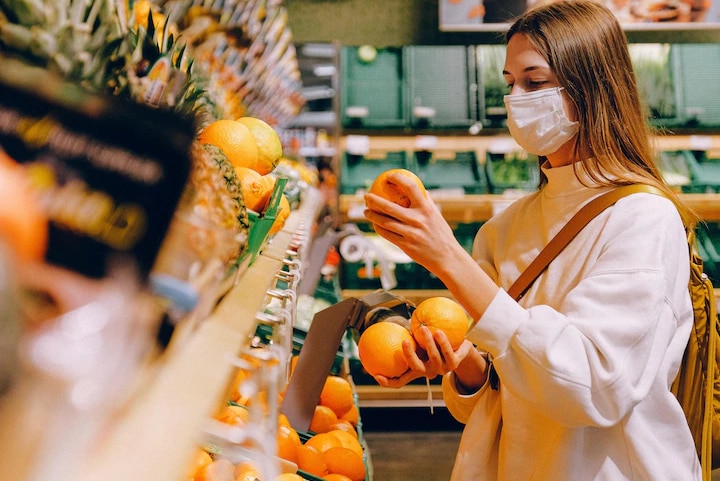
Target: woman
{"points": [[586, 357]]}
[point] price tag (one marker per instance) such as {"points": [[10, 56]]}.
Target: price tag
{"points": [[700, 142], [357, 144]]}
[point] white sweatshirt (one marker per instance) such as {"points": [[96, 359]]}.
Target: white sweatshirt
{"points": [[586, 358]]}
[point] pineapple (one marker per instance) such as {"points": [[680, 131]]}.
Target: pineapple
{"points": [[213, 192]]}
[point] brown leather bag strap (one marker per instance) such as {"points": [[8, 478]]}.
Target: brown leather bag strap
{"points": [[570, 230]]}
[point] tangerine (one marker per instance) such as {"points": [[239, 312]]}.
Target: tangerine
{"points": [[233, 415], [322, 420], [255, 189], [346, 426], [218, 469], [200, 459], [311, 460], [440, 313], [346, 462], [23, 223], [352, 416], [336, 477], [347, 440], [380, 349], [337, 394], [281, 216], [288, 441], [246, 471], [234, 139], [289, 477], [388, 189], [268, 143], [323, 441]]}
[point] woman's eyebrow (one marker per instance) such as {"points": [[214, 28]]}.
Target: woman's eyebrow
{"points": [[525, 70]]}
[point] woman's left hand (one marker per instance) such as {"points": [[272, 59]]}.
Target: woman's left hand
{"points": [[438, 359], [419, 230]]}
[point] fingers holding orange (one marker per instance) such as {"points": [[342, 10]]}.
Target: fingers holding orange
{"points": [[394, 185]]}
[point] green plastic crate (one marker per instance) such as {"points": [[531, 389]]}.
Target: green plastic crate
{"points": [[462, 171], [376, 86], [511, 172], [443, 78], [358, 172], [682, 170], [261, 222]]}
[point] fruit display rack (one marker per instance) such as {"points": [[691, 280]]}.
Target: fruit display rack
{"points": [[163, 425]]}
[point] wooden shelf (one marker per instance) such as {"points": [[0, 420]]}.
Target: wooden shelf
{"points": [[411, 395], [480, 207]]}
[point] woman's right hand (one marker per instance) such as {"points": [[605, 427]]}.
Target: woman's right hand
{"points": [[438, 359]]}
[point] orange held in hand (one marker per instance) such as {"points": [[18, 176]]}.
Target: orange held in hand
{"points": [[440, 313], [380, 349], [387, 189]]}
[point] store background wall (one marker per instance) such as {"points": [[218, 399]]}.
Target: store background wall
{"points": [[413, 22]]}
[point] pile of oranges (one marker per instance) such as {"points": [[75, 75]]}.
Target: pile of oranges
{"points": [[380, 345], [330, 450], [254, 149]]}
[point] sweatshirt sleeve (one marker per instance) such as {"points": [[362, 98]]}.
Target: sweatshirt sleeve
{"points": [[606, 342], [459, 405]]}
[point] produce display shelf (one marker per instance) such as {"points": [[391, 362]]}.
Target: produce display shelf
{"points": [[410, 395], [480, 207], [158, 432]]}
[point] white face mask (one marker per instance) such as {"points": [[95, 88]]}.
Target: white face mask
{"points": [[538, 122]]}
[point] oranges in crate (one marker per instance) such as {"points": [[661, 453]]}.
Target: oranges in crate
{"points": [[337, 394], [440, 313]]}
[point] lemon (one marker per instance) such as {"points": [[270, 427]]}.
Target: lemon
{"points": [[268, 144]]}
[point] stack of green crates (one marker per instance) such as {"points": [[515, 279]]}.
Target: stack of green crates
{"points": [[462, 171], [358, 172]]}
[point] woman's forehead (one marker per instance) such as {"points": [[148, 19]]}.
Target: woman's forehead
{"points": [[522, 56]]}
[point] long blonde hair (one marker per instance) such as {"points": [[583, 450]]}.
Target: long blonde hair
{"points": [[586, 48]]}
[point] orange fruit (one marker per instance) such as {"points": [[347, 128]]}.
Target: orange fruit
{"points": [[346, 426], [386, 188], [268, 144], [246, 471], [346, 462], [200, 459], [289, 477], [233, 415], [218, 469], [380, 349], [323, 441], [23, 223], [322, 420], [255, 189], [234, 139], [283, 212], [349, 441], [352, 416], [336, 477], [440, 313], [311, 460], [337, 394], [288, 441]]}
